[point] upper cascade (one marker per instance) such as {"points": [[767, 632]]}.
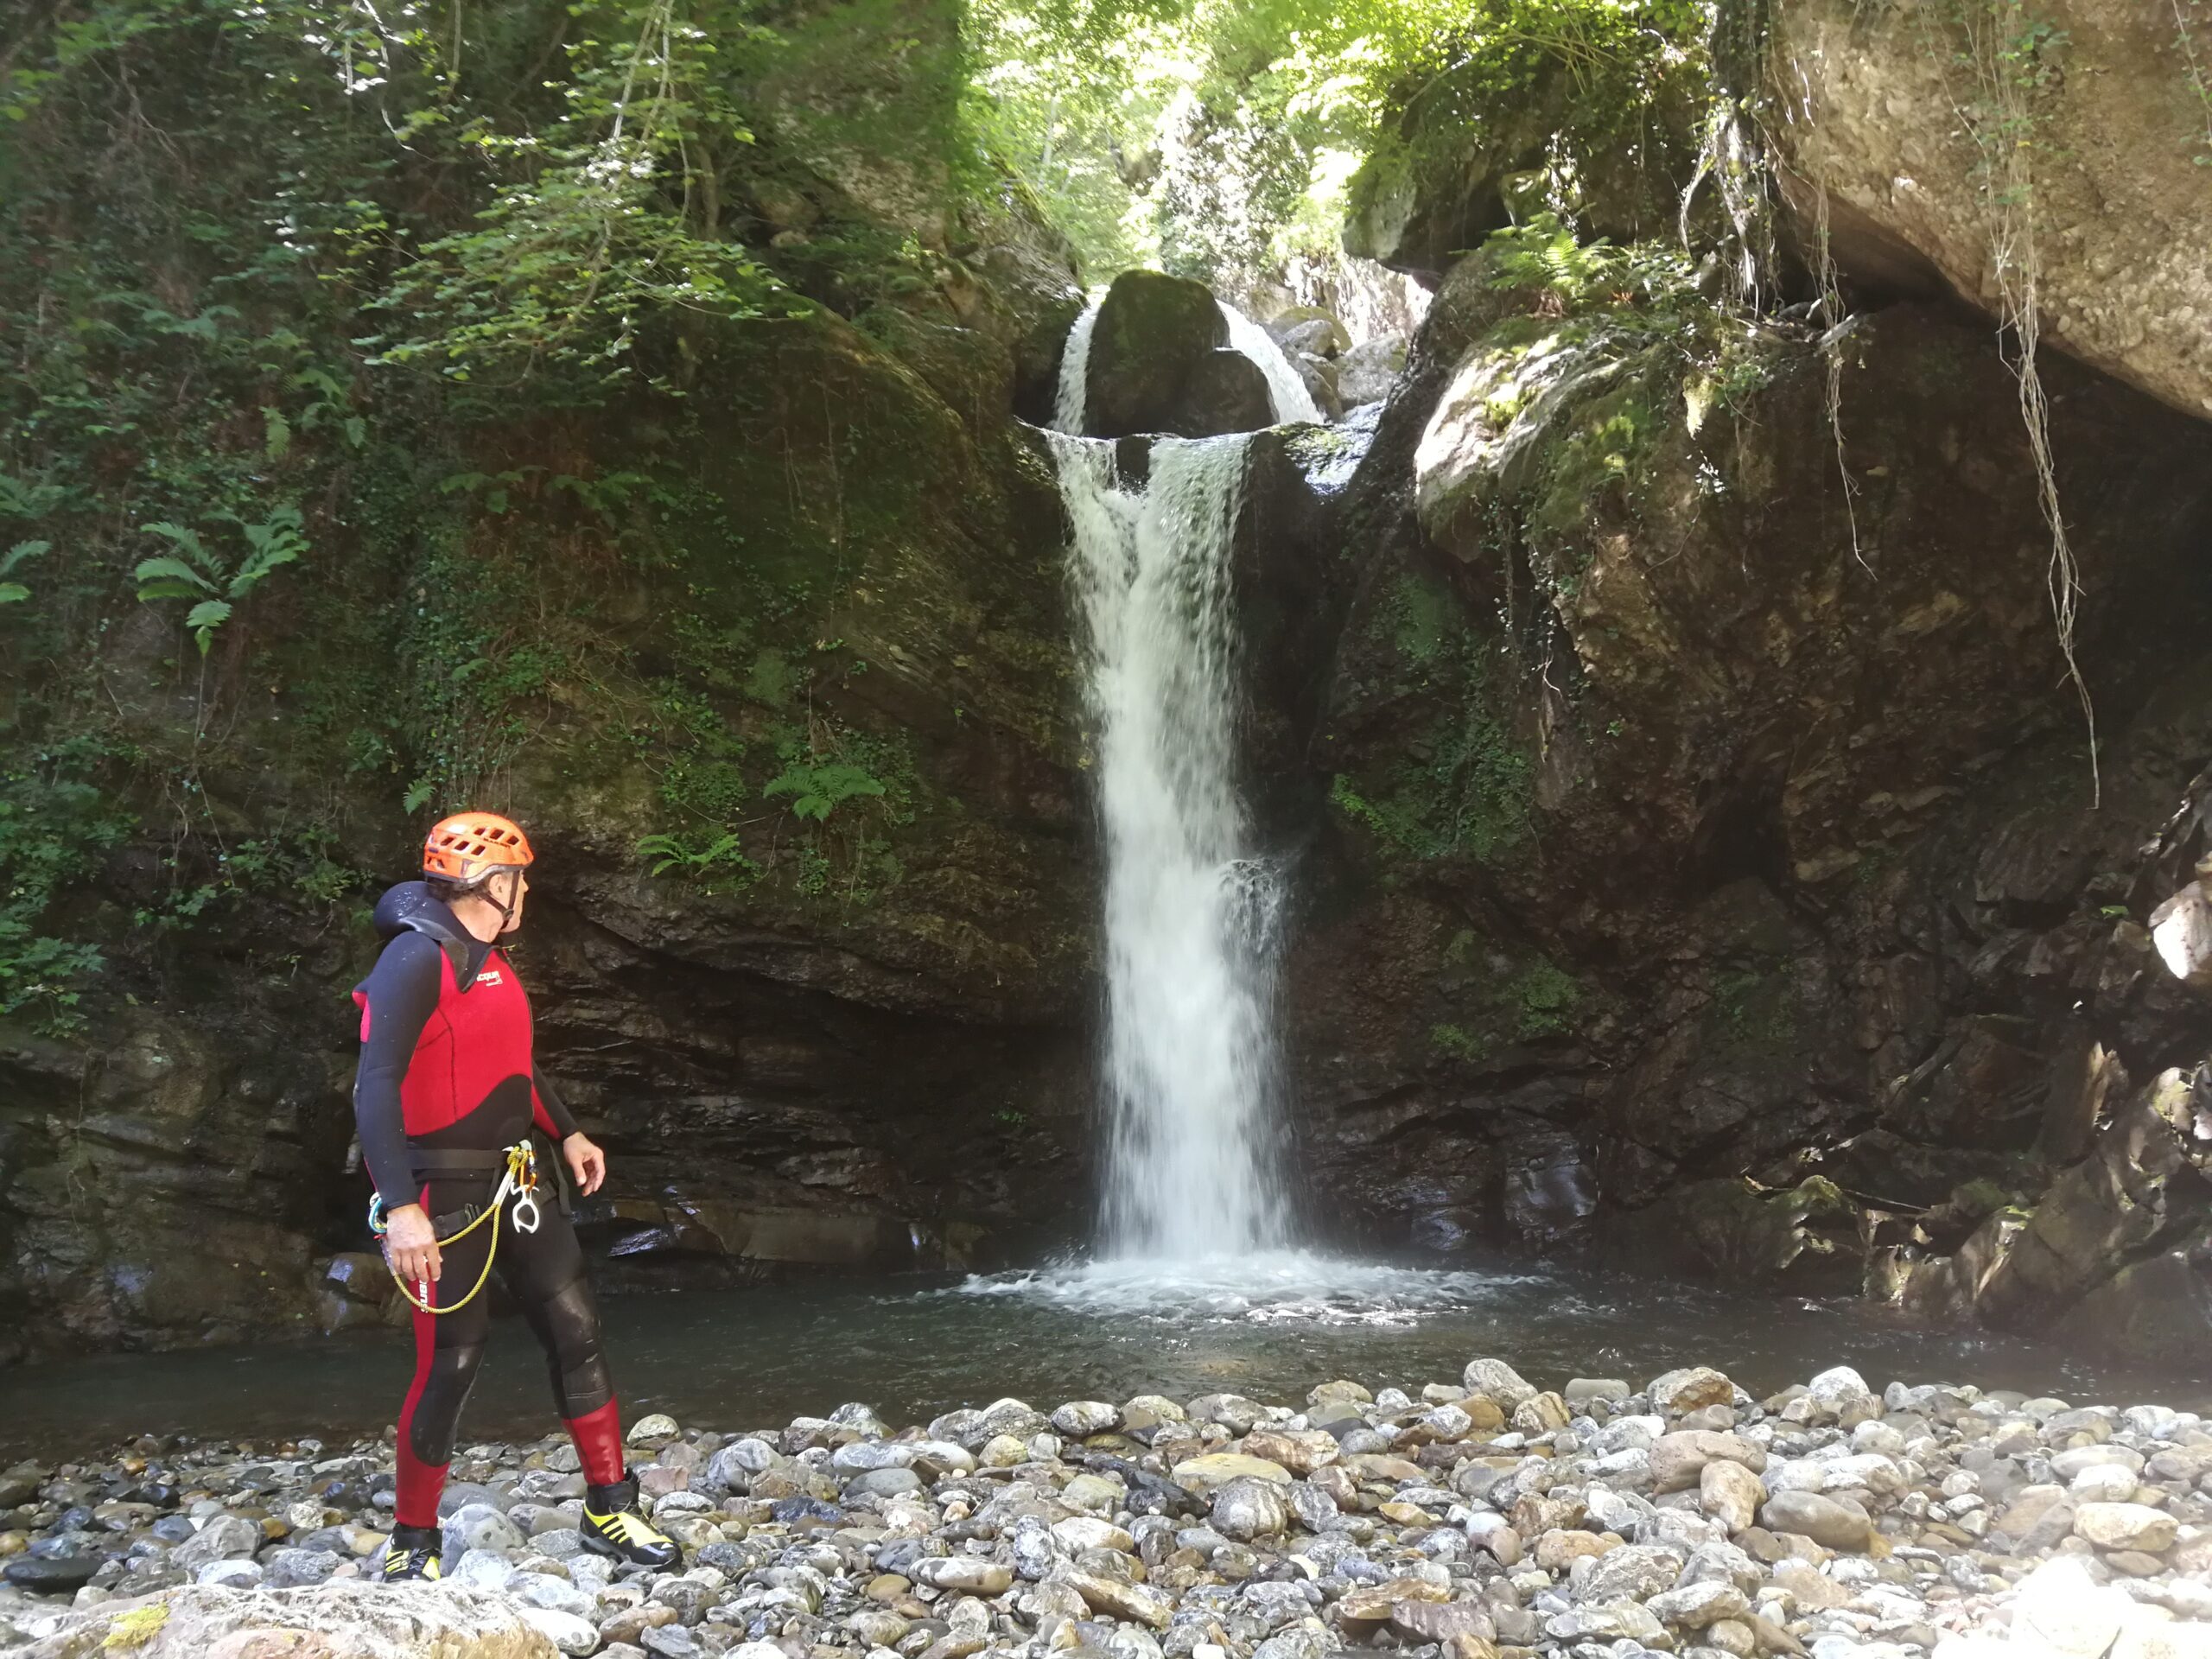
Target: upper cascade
{"points": [[1160, 355], [1286, 387]]}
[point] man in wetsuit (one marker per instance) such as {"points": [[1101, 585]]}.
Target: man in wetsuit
{"points": [[447, 1082]]}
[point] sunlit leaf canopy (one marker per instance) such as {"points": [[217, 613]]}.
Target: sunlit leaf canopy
{"points": [[518, 189], [1217, 138]]}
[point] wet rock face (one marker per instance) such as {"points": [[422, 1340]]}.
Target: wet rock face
{"points": [[161, 1202], [2119, 133], [1667, 822], [1161, 363]]}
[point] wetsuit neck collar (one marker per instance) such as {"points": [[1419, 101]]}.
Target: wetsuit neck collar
{"points": [[411, 907]]}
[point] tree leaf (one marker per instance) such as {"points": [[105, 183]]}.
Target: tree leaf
{"points": [[187, 540], [279, 433], [19, 552], [164, 576], [12, 593], [259, 565], [208, 615]]}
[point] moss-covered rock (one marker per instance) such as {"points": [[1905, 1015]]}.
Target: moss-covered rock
{"points": [[1642, 681], [1611, 139], [1160, 362]]}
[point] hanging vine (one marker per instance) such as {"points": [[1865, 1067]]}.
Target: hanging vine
{"points": [[2008, 51]]}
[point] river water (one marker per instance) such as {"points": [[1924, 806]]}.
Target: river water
{"points": [[915, 1346]]}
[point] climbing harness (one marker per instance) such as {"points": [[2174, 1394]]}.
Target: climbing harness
{"points": [[520, 1178]]}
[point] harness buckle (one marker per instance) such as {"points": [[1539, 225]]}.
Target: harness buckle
{"points": [[525, 1217]]}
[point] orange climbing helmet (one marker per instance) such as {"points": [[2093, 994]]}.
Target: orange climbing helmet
{"points": [[468, 845]]}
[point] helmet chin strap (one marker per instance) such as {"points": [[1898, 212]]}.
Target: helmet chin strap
{"points": [[505, 907]]}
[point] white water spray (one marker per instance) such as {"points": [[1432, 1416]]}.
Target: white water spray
{"points": [[1191, 910], [1071, 394], [1285, 385]]}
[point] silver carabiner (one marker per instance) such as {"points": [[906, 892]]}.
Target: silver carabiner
{"points": [[525, 1217]]}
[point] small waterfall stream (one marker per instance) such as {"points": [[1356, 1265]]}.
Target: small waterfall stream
{"points": [[1285, 385], [1191, 909]]}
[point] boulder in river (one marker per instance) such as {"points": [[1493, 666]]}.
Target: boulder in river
{"points": [[1161, 362]]}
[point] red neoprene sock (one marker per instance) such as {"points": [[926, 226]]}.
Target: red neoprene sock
{"points": [[598, 1435]]}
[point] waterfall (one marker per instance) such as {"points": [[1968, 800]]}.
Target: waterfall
{"points": [[1191, 910], [1075, 370], [1285, 385]]}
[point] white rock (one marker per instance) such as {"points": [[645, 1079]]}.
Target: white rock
{"points": [[2107, 1483], [566, 1631], [2070, 1464], [482, 1569], [1694, 1606], [2127, 1526], [554, 1594], [1083, 1532], [655, 1426], [1496, 1380], [2060, 1607], [2150, 1637], [967, 1572], [1080, 1419]]}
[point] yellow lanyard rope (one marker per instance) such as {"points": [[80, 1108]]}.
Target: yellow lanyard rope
{"points": [[521, 1178]]}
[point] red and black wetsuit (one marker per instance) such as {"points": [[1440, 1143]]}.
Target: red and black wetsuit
{"points": [[447, 1080]]}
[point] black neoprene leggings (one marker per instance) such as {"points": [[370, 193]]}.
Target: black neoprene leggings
{"points": [[544, 1272]]}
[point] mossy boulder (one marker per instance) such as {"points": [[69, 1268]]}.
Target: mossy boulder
{"points": [[1160, 362], [1479, 147]]}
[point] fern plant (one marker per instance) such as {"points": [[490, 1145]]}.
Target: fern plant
{"points": [[14, 593], [818, 790], [718, 860], [196, 572]]}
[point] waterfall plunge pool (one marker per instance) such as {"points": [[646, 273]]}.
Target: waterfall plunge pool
{"points": [[1270, 1326]]}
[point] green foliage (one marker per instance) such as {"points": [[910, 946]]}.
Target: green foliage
{"points": [[1421, 620], [1545, 256], [1470, 796], [2192, 22], [816, 792], [213, 584], [1217, 137], [1544, 995], [1536, 1003], [718, 864], [1752, 1013], [56, 826], [297, 866], [1459, 1043], [603, 222], [14, 593]]}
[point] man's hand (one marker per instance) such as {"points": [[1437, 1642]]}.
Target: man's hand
{"points": [[410, 1244], [586, 1161]]}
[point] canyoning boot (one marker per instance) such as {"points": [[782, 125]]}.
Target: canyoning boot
{"points": [[412, 1553], [614, 1527]]}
